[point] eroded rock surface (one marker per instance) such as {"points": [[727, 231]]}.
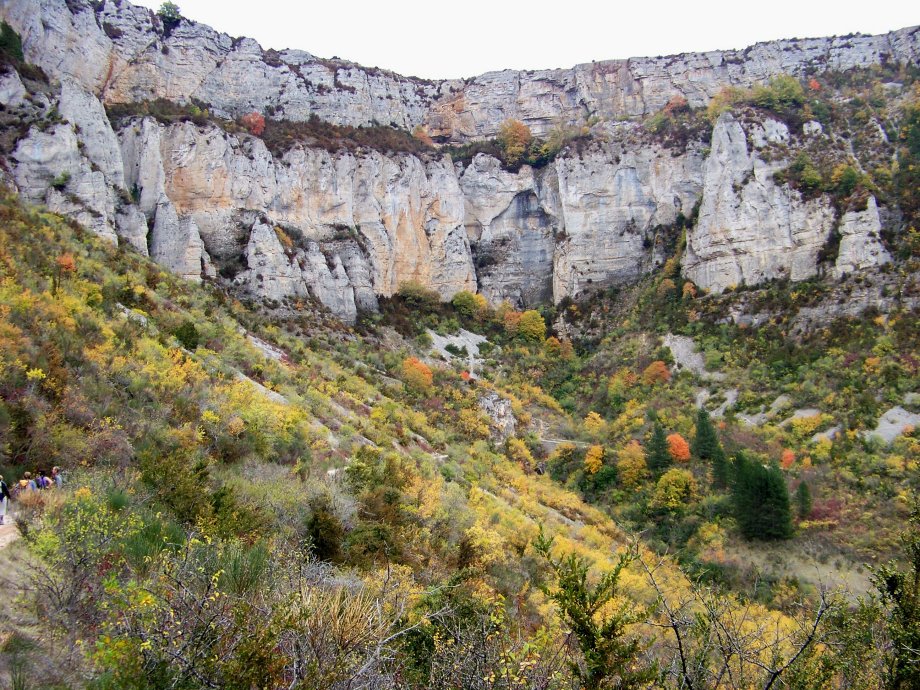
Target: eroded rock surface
{"points": [[345, 228]]}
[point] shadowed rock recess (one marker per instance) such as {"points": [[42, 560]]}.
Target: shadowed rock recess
{"points": [[208, 199]]}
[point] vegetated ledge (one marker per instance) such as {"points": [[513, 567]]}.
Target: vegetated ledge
{"points": [[280, 136]]}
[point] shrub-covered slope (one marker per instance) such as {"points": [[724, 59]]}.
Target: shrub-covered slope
{"points": [[268, 499]]}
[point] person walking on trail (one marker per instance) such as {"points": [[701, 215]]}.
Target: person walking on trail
{"points": [[27, 483], [56, 476], [4, 500], [43, 481]]}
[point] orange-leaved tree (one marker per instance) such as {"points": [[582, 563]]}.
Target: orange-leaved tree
{"points": [[787, 459], [254, 122], [656, 372], [64, 265], [416, 374], [678, 448]]}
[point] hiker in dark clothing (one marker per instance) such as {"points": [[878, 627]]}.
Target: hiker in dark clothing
{"points": [[5, 499], [43, 481]]}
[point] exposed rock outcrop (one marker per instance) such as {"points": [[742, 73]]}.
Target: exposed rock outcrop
{"points": [[344, 228], [750, 228], [123, 53], [860, 241], [502, 421], [176, 244]]}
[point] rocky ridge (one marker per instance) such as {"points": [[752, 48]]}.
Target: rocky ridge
{"points": [[347, 227], [123, 53]]}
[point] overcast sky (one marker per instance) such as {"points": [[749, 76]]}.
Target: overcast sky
{"points": [[468, 37]]}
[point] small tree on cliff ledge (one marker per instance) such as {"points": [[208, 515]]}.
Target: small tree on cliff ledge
{"points": [[514, 137], [170, 14]]}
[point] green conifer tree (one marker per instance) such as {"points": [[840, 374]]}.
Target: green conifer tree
{"points": [[803, 500], [658, 458], [705, 441], [899, 586], [706, 446], [761, 500], [720, 470], [612, 657]]}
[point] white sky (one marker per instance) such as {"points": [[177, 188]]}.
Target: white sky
{"points": [[468, 37]]}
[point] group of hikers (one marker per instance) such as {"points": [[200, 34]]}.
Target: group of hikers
{"points": [[41, 482]]}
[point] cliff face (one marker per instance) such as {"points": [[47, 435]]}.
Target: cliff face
{"points": [[122, 53], [345, 228]]}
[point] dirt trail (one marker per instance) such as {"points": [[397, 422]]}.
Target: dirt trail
{"points": [[8, 534]]}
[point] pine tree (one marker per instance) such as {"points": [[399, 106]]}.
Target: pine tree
{"points": [[720, 470], [742, 491], [899, 586], [776, 511], [761, 500], [803, 500], [658, 457], [612, 656], [706, 446], [705, 441]]}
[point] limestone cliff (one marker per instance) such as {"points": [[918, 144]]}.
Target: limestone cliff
{"points": [[123, 53], [346, 227], [752, 229]]}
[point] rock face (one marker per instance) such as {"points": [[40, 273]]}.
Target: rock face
{"points": [[502, 421], [860, 241], [176, 243], [613, 201], [123, 53], [344, 228], [359, 225], [750, 229], [356, 226]]}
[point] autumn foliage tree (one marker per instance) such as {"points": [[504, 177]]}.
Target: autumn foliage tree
{"points": [[678, 448], [656, 372], [631, 467], [254, 122], [594, 459], [469, 305], [515, 138], [674, 492], [64, 266], [517, 451], [416, 374], [532, 327], [594, 423]]}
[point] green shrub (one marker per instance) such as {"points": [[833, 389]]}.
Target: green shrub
{"points": [[60, 182], [325, 531], [10, 44], [781, 92], [187, 334], [170, 15]]}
